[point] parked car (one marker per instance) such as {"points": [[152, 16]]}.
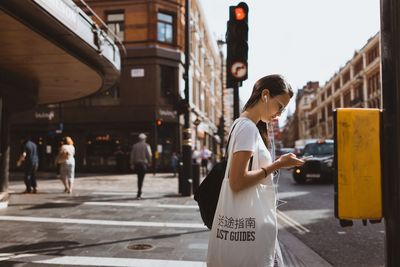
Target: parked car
{"points": [[318, 158]]}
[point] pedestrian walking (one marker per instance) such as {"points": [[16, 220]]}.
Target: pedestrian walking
{"points": [[196, 157], [140, 161], [174, 162], [205, 155], [29, 158], [66, 160], [244, 230]]}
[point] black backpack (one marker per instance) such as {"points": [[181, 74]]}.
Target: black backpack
{"points": [[207, 193]]}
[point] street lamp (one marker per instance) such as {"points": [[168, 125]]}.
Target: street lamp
{"points": [[220, 44], [186, 174], [196, 124]]}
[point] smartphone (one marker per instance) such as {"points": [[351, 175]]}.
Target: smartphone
{"points": [[307, 157]]}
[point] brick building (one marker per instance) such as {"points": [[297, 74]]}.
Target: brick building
{"points": [[146, 98]]}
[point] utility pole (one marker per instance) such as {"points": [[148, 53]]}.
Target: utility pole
{"points": [[220, 43], [186, 177], [236, 111], [390, 60]]}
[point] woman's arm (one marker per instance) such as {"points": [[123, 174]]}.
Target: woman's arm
{"points": [[239, 176]]}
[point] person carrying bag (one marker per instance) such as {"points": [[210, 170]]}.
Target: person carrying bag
{"points": [[244, 229]]}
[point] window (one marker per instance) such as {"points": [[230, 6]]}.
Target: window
{"points": [[337, 84], [373, 85], [115, 22], [372, 54], [322, 115], [337, 102], [358, 67], [194, 92], [165, 32], [167, 81], [329, 91], [330, 110], [346, 77], [358, 92], [346, 99]]}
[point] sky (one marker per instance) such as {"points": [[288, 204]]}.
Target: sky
{"points": [[304, 40]]}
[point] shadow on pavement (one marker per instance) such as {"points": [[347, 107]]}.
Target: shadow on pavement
{"points": [[59, 247], [54, 206], [55, 247]]}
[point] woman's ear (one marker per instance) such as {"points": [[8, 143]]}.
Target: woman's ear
{"points": [[265, 95]]}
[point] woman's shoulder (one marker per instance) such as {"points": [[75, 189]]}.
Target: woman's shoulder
{"points": [[245, 124]]}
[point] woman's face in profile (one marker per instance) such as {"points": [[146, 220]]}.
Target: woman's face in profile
{"points": [[275, 106]]}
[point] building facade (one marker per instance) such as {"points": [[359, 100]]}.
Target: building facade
{"points": [[146, 99], [357, 84]]}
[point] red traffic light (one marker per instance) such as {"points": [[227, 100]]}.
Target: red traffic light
{"points": [[158, 122], [240, 13]]}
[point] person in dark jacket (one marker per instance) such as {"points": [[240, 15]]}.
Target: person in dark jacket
{"points": [[140, 160], [29, 159]]}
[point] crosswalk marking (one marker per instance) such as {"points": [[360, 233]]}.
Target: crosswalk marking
{"points": [[97, 261], [124, 204], [101, 222]]}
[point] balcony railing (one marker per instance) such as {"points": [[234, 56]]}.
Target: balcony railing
{"points": [[356, 101]]}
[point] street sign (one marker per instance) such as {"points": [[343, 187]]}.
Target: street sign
{"points": [[239, 70]]}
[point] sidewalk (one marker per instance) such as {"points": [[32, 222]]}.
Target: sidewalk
{"points": [[100, 223]]}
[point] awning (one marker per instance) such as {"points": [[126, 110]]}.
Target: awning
{"points": [[51, 51]]}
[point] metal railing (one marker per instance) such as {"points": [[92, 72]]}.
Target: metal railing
{"points": [[103, 24]]}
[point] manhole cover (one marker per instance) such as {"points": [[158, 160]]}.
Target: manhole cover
{"points": [[140, 247]]}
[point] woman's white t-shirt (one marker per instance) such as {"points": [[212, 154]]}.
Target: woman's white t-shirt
{"points": [[248, 138]]}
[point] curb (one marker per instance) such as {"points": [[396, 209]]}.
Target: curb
{"points": [[296, 253]]}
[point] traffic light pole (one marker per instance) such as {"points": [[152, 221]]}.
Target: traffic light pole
{"points": [[186, 175], [390, 59], [236, 111]]}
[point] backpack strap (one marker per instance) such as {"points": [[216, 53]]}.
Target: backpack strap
{"points": [[227, 148]]}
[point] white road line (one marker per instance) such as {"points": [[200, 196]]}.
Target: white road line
{"points": [[101, 222], [114, 193], [292, 223], [97, 261], [124, 204]]}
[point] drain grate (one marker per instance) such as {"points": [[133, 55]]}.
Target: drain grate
{"points": [[140, 247]]}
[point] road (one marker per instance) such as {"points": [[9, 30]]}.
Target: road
{"points": [[312, 207], [101, 221]]}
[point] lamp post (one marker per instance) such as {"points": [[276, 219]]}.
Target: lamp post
{"points": [[186, 177], [220, 43], [196, 124]]}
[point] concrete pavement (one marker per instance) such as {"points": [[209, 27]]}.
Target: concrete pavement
{"points": [[102, 224]]}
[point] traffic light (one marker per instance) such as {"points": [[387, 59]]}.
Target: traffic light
{"points": [[237, 47], [158, 122]]}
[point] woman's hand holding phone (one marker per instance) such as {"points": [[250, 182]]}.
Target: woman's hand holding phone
{"points": [[289, 160]]}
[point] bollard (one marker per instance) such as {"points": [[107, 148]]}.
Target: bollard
{"points": [[195, 176], [184, 185]]}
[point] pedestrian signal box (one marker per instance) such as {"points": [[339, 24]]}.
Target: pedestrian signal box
{"points": [[358, 183]]}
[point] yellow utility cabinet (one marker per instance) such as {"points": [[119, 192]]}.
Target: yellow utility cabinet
{"points": [[358, 185]]}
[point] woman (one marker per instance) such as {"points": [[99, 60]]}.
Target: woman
{"points": [[67, 164], [244, 231]]}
